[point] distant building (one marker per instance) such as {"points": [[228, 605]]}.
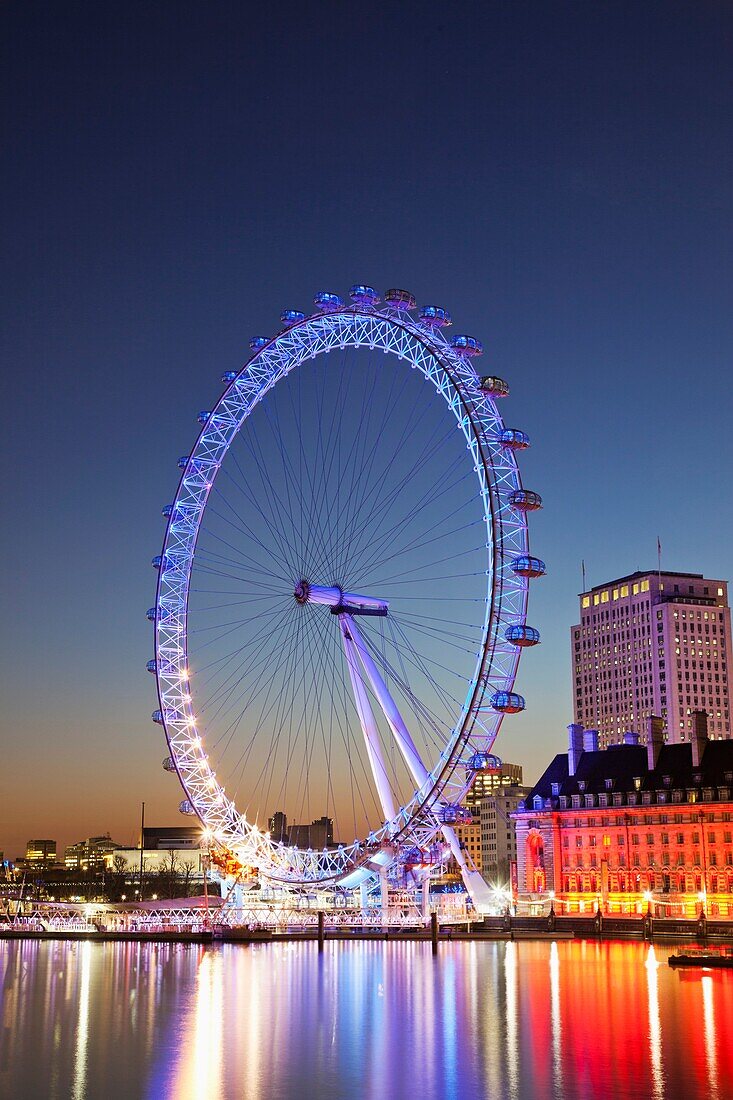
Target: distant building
{"points": [[469, 837], [40, 851], [632, 826], [172, 836], [653, 643], [319, 834], [498, 839], [278, 827], [95, 852], [494, 778], [491, 778]]}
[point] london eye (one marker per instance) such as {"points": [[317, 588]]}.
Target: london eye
{"points": [[342, 595]]}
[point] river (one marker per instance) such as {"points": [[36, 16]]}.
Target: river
{"points": [[372, 1020]]}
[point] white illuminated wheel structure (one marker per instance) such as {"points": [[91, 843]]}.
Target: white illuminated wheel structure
{"points": [[342, 594]]}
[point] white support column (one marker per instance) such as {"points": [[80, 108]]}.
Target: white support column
{"points": [[473, 881], [384, 895], [368, 725], [401, 734]]}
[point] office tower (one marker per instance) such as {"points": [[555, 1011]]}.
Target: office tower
{"points": [[654, 643]]}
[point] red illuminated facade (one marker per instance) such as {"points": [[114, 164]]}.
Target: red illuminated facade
{"points": [[632, 826]]}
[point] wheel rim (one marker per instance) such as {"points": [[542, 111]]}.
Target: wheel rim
{"points": [[477, 723]]}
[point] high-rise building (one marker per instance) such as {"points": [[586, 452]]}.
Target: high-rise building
{"points": [[40, 851], [654, 643], [495, 775], [498, 832]]}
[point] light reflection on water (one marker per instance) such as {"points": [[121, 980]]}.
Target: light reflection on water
{"points": [[370, 1019]]}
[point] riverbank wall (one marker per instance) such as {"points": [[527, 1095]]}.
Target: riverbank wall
{"points": [[550, 927]]}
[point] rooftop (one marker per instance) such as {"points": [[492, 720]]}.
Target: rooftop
{"points": [[643, 573], [627, 769]]}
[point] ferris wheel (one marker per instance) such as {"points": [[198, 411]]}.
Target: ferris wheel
{"points": [[342, 594]]}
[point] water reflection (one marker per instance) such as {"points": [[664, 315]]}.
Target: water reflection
{"points": [[82, 1027], [655, 1025], [709, 1016], [556, 1020], [365, 1020]]}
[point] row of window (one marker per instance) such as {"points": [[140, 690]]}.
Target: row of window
{"points": [[620, 593], [661, 883], [591, 841]]}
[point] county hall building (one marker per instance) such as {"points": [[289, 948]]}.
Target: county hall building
{"points": [[632, 826]]}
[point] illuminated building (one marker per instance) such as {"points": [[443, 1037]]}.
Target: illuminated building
{"points": [[498, 833], [652, 643], [40, 851], [95, 852], [632, 825], [490, 778], [469, 837]]}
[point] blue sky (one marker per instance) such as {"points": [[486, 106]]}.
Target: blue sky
{"points": [[556, 174]]}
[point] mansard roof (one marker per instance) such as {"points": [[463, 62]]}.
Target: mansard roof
{"points": [[625, 765]]}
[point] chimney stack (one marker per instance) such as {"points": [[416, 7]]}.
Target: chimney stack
{"points": [[590, 740], [654, 740], [699, 736], [575, 746]]}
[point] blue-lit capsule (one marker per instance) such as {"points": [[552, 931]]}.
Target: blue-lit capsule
{"points": [[364, 295], [412, 855], [292, 317], [203, 416], [183, 462], [157, 561], [483, 760], [327, 301], [228, 377], [152, 665], [258, 342], [167, 510], [454, 814], [497, 387], [466, 345], [400, 299], [514, 439], [525, 500], [157, 717], [526, 566], [522, 635], [185, 807], [435, 317], [150, 614], [168, 765], [507, 702]]}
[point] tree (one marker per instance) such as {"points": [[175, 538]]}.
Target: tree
{"points": [[116, 878], [169, 876]]}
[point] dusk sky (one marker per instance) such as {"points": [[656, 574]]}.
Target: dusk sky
{"points": [[558, 175]]}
